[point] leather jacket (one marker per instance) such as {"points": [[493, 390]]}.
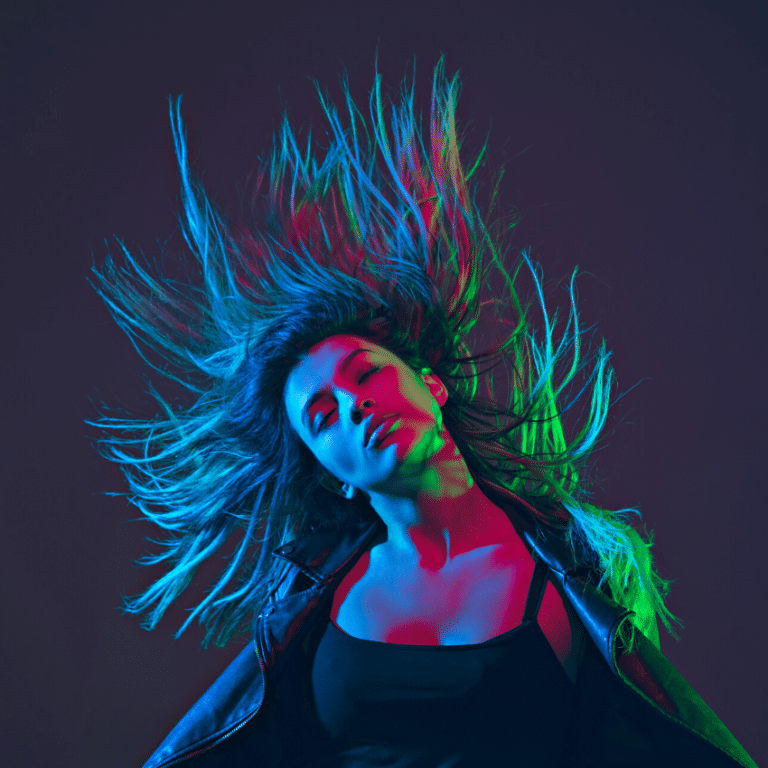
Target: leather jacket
{"points": [[633, 710]]}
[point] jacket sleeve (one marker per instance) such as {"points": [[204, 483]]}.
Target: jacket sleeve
{"points": [[633, 709], [225, 717], [616, 728]]}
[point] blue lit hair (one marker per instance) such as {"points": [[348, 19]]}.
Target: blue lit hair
{"points": [[380, 237]]}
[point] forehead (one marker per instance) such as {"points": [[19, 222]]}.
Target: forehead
{"points": [[318, 365], [335, 348]]}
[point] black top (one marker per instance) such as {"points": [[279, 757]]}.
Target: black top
{"points": [[506, 701]]}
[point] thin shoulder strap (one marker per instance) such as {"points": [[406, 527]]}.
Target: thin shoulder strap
{"points": [[536, 590]]}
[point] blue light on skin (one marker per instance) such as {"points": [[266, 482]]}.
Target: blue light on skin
{"points": [[417, 481]]}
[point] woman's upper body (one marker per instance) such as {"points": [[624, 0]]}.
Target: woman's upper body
{"points": [[635, 711], [443, 568], [327, 346], [432, 638]]}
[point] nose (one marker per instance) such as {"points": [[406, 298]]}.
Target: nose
{"points": [[352, 405], [357, 411]]}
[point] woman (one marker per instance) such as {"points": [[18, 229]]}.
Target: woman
{"points": [[431, 585]]}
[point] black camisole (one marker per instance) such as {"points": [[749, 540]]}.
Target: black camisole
{"points": [[503, 702]]}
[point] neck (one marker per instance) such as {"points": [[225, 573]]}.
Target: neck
{"points": [[445, 516]]}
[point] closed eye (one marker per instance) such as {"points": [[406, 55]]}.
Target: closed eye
{"points": [[369, 373], [365, 376]]}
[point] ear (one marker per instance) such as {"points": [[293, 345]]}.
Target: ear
{"points": [[435, 386], [330, 483], [333, 484]]}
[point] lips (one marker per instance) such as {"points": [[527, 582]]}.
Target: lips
{"points": [[376, 422]]}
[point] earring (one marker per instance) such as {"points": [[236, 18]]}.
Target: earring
{"points": [[348, 491]]}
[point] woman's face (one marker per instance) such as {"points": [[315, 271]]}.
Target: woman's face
{"points": [[342, 389]]}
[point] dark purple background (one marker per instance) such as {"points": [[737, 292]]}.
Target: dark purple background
{"points": [[633, 134]]}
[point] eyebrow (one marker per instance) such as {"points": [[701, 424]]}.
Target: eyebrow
{"points": [[345, 363]]}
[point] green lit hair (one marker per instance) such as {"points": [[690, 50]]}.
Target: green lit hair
{"points": [[381, 237]]}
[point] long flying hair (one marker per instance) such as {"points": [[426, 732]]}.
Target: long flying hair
{"points": [[379, 236]]}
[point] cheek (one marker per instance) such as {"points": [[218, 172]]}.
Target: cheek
{"points": [[333, 455], [426, 403]]}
